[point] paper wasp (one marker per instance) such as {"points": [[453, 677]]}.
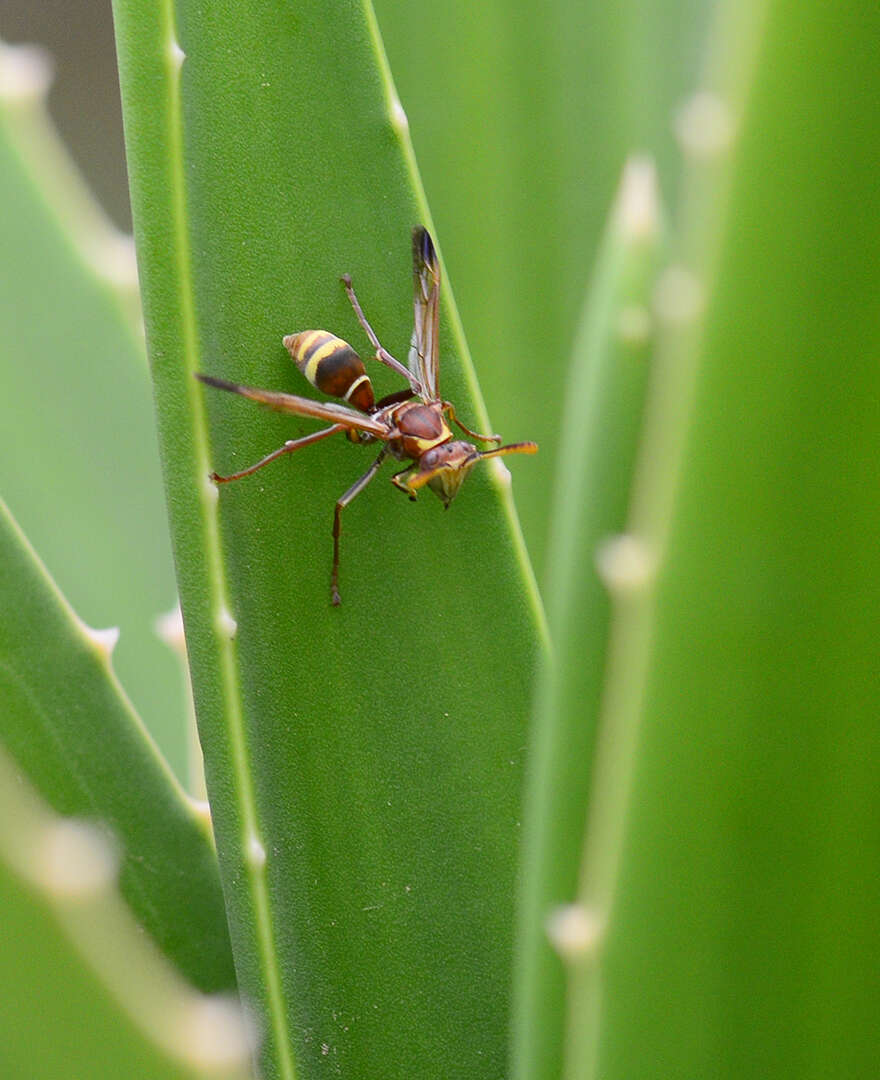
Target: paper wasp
{"points": [[411, 424]]}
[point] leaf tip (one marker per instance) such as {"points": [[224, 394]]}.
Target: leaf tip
{"points": [[176, 55], [501, 471], [111, 254], [25, 73], [102, 641], [625, 562], [202, 810], [678, 296], [226, 624], [399, 119], [213, 1033], [634, 324], [703, 125], [637, 208], [573, 930], [73, 860], [255, 852], [169, 628]]}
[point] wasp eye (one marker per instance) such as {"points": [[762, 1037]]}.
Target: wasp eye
{"points": [[429, 460]]}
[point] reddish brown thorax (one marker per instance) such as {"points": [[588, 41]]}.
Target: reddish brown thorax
{"points": [[421, 427]]}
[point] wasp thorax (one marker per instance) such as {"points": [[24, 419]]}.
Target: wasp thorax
{"points": [[450, 464]]}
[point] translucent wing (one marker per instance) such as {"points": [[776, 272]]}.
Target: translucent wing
{"points": [[300, 406], [423, 355]]}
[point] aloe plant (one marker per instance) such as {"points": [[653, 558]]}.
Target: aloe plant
{"points": [[79, 467], [688, 910], [690, 894], [75, 736], [84, 970], [572, 763], [364, 788]]}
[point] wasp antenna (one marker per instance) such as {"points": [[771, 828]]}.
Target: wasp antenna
{"points": [[511, 448]]}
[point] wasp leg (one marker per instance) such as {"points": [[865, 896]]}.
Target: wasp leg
{"points": [[447, 407], [288, 448], [356, 488], [382, 354], [402, 484]]}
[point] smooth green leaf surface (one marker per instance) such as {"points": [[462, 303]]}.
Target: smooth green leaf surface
{"points": [[86, 994], [608, 381], [70, 729], [363, 763], [745, 941], [79, 464]]}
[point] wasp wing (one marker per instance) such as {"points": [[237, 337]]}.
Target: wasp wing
{"points": [[300, 406], [423, 352]]}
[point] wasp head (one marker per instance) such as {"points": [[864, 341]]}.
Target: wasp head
{"points": [[444, 467]]}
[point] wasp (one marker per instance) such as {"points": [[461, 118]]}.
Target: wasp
{"points": [[413, 425]]}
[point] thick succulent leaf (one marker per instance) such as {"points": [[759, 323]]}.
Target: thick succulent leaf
{"points": [[86, 993], [746, 938], [78, 465], [602, 429], [70, 729], [363, 763], [719, 922]]}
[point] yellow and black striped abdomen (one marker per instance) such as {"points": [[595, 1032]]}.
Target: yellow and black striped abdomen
{"points": [[331, 365]]}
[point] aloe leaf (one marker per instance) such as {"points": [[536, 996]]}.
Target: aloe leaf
{"points": [[70, 729], [363, 763], [721, 924], [608, 382], [79, 464], [748, 885], [82, 968]]}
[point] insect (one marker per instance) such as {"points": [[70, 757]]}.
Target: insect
{"points": [[412, 425]]}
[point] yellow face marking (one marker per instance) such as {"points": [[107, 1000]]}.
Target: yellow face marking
{"points": [[428, 444]]}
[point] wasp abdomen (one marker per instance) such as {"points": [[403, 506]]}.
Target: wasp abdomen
{"points": [[332, 366]]}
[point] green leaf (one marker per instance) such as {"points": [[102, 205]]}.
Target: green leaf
{"points": [[364, 763], [69, 727], [601, 432], [79, 464], [92, 997], [742, 937], [749, 885]]}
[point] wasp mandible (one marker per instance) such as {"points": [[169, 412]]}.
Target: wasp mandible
{"points": [[412, 424]]}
